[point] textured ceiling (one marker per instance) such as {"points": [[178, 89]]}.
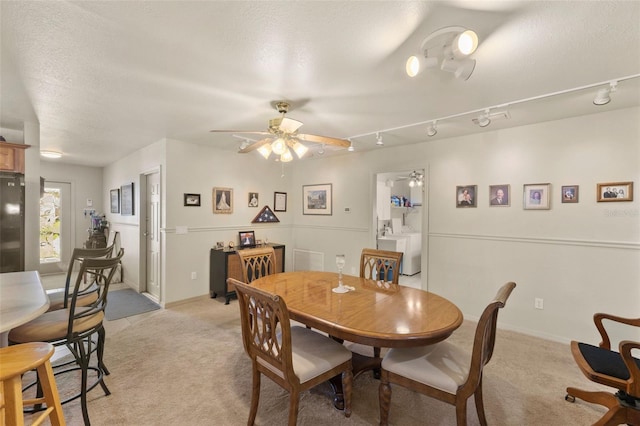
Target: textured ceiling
{"points": [[111, 77]]}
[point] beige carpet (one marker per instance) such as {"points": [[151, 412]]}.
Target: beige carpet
{"points": [[186, 366]]}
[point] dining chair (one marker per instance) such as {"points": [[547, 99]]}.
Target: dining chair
{"points": [[257, 262], [75, 325], [59, 297], [16, 361], [619, 370], [296, 358], [443, 370], [380, 266]]}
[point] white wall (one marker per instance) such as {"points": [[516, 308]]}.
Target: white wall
{"points": [[580, 258], [86, 183]]}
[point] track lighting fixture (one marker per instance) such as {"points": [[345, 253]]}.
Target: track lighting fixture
{"points": [[351, 148], [449, 47], [603, 96], [432, 130], [379, 140], [483, 120]]}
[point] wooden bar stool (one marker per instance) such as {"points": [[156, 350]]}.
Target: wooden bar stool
{"points": [[14, 362]]}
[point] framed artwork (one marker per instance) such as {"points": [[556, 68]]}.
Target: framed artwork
{"points": [[253, 199], [265, 216], [466, 196], [222, 200], [537, 196], [317, 199], [247, 239], [126, 199], [115, 200], [280, 201], [192, 200], [570, 194], [500, 195], [615, 191]]}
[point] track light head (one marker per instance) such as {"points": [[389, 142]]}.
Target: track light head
{"points": [[483, 120], [603, 96], [351, 148], [432, 130], [379, 140]]}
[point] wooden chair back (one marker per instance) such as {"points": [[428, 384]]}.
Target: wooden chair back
{"points": [[257, 262], [378, 265], [266, 331]]}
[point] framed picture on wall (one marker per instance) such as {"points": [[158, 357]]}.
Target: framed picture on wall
{"points": [[222, 200], [615, 191], [499, 195], [280, 201], [192, 200], [537, 196], [317, 199], [466, 196], [126, 199], [115, 200], [253, 199], [569, 194]]}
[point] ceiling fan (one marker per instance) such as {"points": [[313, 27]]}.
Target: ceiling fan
{"points": [[415, 178], [282, 135]]}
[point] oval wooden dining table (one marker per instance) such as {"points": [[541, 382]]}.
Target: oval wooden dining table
{"points": [[374, 313]]}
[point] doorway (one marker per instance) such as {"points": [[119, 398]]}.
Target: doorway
{"points": [[55, 228], [151, 215]]}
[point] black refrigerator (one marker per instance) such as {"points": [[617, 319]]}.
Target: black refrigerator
{"points": [[11, 222]]}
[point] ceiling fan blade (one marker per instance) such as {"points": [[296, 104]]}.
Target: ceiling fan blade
{"points": [[255, 145], [325, 140], [255, 132]]}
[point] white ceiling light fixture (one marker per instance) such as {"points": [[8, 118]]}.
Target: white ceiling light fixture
{"points": [[321, 150], [483, 120], [51, 154], [450, 47], [379, 140], [432, 130], [603, 96]]}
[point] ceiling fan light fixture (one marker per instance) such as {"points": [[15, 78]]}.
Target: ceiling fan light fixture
{"points": [[279, 146], [432, 130], [265, 151], [286, 156], [299, 149]]}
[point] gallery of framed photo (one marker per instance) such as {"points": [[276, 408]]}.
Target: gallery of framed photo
{"points": [[500, 195], [615, 191], [570, 193], [466, 196], [537, 196], [126, 199], [222, 200], [192, 200], [115, 200], [317, 199], [253, 199], [280, 201]]}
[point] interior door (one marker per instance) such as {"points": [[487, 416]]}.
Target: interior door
{"points": [[55, 228], [152, 234]]}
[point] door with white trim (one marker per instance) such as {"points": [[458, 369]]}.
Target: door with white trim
{"points": [[152, 234]]}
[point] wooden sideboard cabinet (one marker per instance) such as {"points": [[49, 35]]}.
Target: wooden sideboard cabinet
{"points": [[225, 263]]}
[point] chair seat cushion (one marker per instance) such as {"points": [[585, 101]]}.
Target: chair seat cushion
{"points": [[56, 299], [312, 354], [605, 361], [443, 366], [52, 326]]}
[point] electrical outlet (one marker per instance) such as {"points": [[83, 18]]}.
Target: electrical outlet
{"points": [[538, 303], [194, 275]]}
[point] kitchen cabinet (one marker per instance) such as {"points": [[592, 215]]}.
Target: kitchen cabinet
{"points": [[225, 263], [12, 157]]}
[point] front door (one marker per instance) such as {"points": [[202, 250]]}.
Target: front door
{"points": [[152, 233], [55, 228]]}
